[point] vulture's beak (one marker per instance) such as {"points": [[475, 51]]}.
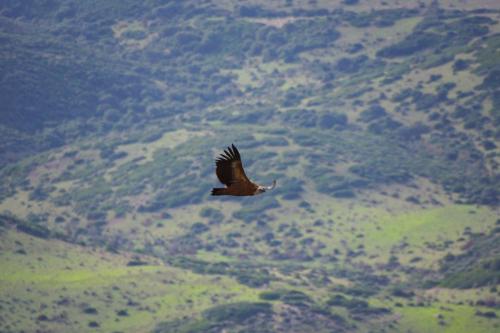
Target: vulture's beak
{"points": [[272, 186]]}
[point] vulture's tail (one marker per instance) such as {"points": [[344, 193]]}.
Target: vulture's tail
{"points": [[219, 191]]}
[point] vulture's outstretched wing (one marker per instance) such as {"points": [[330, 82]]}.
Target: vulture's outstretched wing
{"points": [[229, 167]]}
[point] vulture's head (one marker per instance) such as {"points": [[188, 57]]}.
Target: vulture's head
{"points": [[262, 189]]}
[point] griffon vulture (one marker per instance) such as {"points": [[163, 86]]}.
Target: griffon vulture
{"points": [[229, 170]]}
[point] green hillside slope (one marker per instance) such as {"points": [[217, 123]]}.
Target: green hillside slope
{"points": [[380, 121]]}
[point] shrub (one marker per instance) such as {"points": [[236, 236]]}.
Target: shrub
{"points": [[414, 43], [487, 314], [402, 293], [256, 209], [460, 65], [374, 112], [237, 312], [199, 228], [270, 295], [93, 324], [212, 214], [34, 230], [351, 65], [122, 313], [329, 120], [137, 262], [90, 310]]}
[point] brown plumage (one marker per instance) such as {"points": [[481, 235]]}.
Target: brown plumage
{"points": [[229, 170]]}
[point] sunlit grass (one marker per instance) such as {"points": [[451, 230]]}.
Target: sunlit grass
{"points": [[104, 282], [456, 319]]}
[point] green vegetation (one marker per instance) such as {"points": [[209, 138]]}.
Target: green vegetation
{"points": [[379, 121], [466, 271], [228, 315], [82, 285]]}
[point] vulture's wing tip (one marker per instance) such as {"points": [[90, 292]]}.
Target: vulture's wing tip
{"points": [[236, 152]]}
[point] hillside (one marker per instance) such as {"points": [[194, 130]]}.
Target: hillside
{"points": [[380, 121]]}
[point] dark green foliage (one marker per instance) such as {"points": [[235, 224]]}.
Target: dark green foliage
{"points": [[465, 271], [357, 290], [183, 326], [302, 118], [184, 196], [351, 65], [34, 230], [388, 161], [294, 232], [103, 87], [270, 295], [492, 80], [185, 244], [237, 312], [489, 145], [350, 2], [486, 56], [373, 112], [122, 313], [329, 120], [397, 176], [296, 298], [429, 35], [253, 279], [250, 316], [290, 188], [38, 194], [42, 318], [304, 35], [384, 125], [460, 65], [255, 209], [356, 306], [212, 214], [199, 228], [120, 92], [59, 219], [402, 95], [379, 18], [30, 228], [93, 324], [471, 115], [424, 102], [414, 132], [402, 293], [495, 111], [339, 300], [473, 277], [256, 11], [137, 262], [78, 94], [486, 314], [90, 310], [290, 297], [152, 207], [247, 274], [286, 44], [412, 44]]}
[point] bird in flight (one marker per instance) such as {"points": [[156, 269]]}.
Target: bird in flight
{"points": [[229, 170]]}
